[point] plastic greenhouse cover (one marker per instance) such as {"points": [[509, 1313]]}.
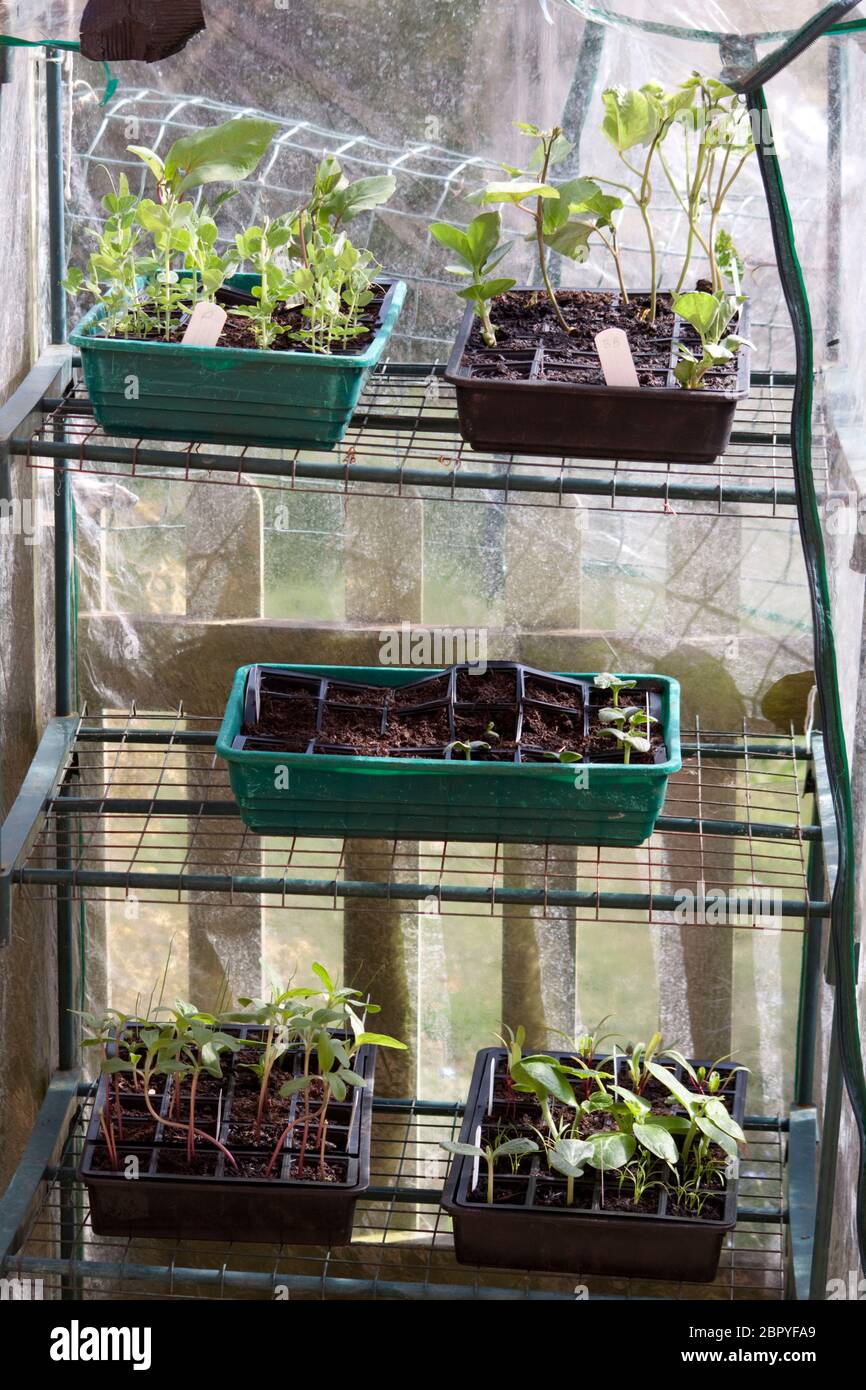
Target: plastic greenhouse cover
{"points": [[180, 583], [37, 21]]}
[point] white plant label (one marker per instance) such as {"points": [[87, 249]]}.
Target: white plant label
{"points": [[490, 1086], [476, 1166], [614, 353], [205, 325]]}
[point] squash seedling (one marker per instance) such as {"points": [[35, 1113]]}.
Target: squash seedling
{"points": [[709, 315], [565, 755], [625, 724], [489, 1154], [465, 749], [606, 680], [707, 1125]]}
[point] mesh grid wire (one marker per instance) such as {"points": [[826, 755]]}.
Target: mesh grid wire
{"points": [[401, 1238], [157, 851], [405, 429]]}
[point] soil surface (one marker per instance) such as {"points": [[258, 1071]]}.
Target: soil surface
{"points": [[552, 729], [530, 342], [238, 333], [408, 696], [291, 719], [494, 686], [552, 692]]}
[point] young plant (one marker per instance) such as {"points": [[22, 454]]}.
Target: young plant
{"points": [[606, 680], [565, 755], [489, 1154], [537, 1074], [113, 269], [478, 254], [709, 315], [707, 1126], [258, 246], [718, 141], [466, 749], [570, 1158]]}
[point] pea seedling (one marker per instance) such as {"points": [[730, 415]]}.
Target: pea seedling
{"points": [[478, 254]]}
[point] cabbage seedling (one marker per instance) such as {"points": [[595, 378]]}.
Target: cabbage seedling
{"points": [[511, 1148]]}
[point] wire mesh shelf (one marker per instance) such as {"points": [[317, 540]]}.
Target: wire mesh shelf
{"points": [[401, 1247], [404, 442], [145, 813]]}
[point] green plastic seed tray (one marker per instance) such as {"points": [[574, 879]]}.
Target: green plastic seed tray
{"points": [[313, 794]]}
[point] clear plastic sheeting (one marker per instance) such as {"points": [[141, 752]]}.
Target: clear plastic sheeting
{"points": [[181, 582], [41, 21]]}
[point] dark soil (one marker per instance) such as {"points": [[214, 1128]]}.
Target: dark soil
{"points": [[555, 1194], [101, 1162], [427, 728], [473, 725], [175, 1161], [314, 1171], [551, 692], [356, 727], [342, 693], [713, 1210], [135, 1131], [494, 686], [292, 719], [237, 332], [504, 1193], [531, 342], [407, 696], [552, 729], [622, 1201], [252, 1166]]}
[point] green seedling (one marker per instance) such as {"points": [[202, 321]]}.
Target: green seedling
{"points": [[709, 315], [466, 749], [606, 680], [478, 254], [565, 755], [512, 1148], [707, 1126], [625, 725], [537, 1074], [570, 1157]]}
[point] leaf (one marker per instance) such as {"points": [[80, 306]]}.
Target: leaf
{"points": [[352, 1078], [324, 1050], [225, 153], [516, 1146], [716, 1135], [115, 1064], [572, 240], [559, 149], [609, 715], [610, 1151], [346, 203], [463, 1150], [632, 118], [670, 1083], [455, 240], [298, 1083], [321, 973], [150, 158], [380, 1040], [337, 1085], [516, 191], [482, 236], [658, 1140], [721, 1117], [570, 1155], [546, 1077]]}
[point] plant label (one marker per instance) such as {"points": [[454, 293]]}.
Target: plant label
{"points": [[476, 1166], [205, 326], [617, 363], [490, 1086]]}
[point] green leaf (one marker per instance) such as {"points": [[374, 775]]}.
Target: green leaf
{"points": [[455, 240], [337, 1085], [570, 1155], [380, 1040], [670, 1083], [360, 196], [352, 1078], [225, 153], [658, 1140], [716, 1135], [516, 191], [150, 158], [632, 118], [321, 974], [298, 1083], [572, 240], [463, 1150], [545, 1077], [115, 1064], [718, 1113], [610, 1151], [482, 236], [515, 1146]]}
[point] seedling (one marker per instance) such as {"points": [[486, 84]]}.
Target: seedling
{"points": [[707, 1123], [565, 755], [709, 315], [466, 749], [489, 1155], [606, 680], [625, 726], [478, 253], [537, 1074], [570, 1157]]}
